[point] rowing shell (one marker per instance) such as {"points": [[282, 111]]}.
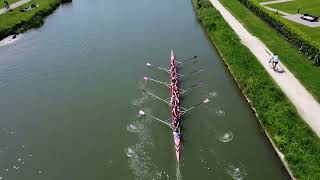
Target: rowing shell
{"points": [[175, 108]]}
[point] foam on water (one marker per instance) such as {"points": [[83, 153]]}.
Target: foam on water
{"points": [[226, 137], [237, 173], [135, 127], [220, 112], [213, 94], [139, 160], [140, 100], [142, 165], [8, 40], [17, 157]]}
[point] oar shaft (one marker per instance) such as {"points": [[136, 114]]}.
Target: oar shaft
{"points": [[157, 97], [164, 69], [154, 80], [159, 120], [166, 84], [186, 60]]}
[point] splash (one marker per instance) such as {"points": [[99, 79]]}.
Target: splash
{"points": [[139, 101], [135, 127], [213, 94], [139, 160], [220, 113], [237, 173], [207, 158], [141, 164], [226, 137]]}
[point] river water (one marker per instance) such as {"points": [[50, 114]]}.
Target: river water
{"points": [[70, 92]]}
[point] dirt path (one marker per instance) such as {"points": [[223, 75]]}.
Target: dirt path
{"points": [[14, 5], [306, 105]]}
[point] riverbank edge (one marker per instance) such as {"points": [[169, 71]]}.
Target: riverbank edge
{"points": [[35, 21], [242, 86], [277, 150]]}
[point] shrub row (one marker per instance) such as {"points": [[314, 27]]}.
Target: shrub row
{"points": [[293, 137], [304, 43], [34, 21]]}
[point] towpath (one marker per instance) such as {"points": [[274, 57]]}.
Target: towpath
{"points": [[14, 5], [306, 105]]}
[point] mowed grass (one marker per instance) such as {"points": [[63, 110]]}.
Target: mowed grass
{"points": [[10, 19], [291, 134], [306, 6], [298, 64]]}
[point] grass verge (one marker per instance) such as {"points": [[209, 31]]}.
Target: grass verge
{"points": [[18, 22], [291, 134], [297, 63]]}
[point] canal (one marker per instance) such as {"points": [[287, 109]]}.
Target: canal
{"points": [[70, 92]]}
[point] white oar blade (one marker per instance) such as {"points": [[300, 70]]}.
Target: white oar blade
{"points": [[206, 100], [148, 65], [142, 113]]}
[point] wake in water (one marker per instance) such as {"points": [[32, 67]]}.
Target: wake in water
{"points": [[141, 99], [139, 159], [178, 173], [135, 127]]}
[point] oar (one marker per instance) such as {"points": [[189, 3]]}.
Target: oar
{"points": [[157, 81], [142, 113], [189, 59], [160, 82], [163, 100], [157, 97], [205, 101], [199, 70], [161, 68], [199, 83]]}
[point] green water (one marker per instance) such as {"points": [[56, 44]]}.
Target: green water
{"points": [[70, 92]]}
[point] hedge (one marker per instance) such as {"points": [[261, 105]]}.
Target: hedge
{"points": [[303, 42]]}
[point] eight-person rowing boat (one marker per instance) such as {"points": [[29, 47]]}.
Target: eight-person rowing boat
{"points": [[174, 101], [175, 105]]}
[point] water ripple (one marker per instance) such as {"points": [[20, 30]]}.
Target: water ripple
{"points": [[226, 137], [237, 173]]}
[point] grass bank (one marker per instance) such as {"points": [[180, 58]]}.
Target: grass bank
{"points": [[292, 136], [18, 22], [306, 6], [297, 63]]}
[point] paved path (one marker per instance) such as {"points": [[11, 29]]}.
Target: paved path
{"points": [[297, 18], [276, 10], [14, 5], [306, 105], [275, 2]]}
